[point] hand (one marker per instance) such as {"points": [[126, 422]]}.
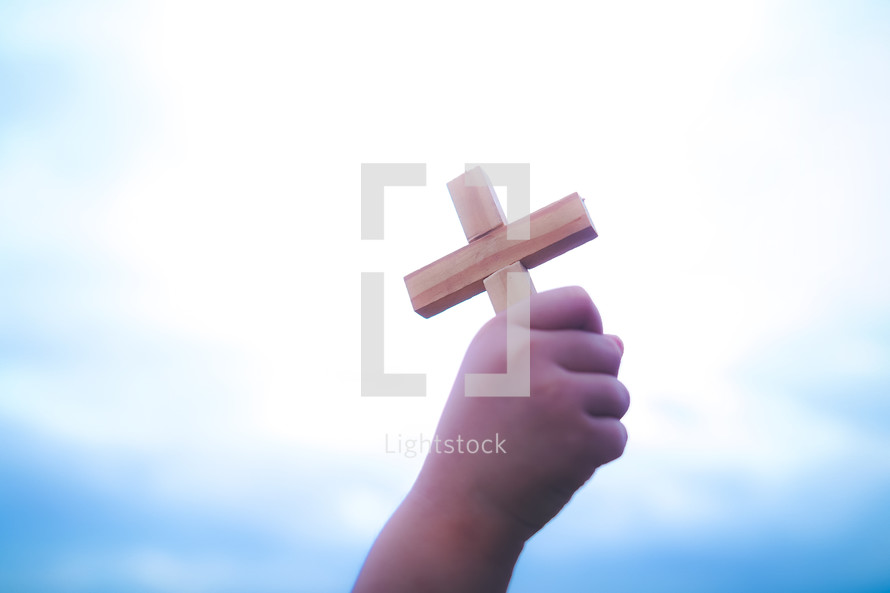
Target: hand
{"points": [[465, 522], [550, 442]]}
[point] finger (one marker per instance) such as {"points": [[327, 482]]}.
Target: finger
{"points": [[569, 307], [597, 394], [581, 351], [602, 395], [608, 439]]}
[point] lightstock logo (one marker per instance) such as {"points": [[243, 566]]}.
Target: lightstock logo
{"points": [[516, 382]]}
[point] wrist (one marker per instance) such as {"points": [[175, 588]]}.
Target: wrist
{"points": [[467, 520]]}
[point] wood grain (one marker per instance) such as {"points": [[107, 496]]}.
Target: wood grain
{"points": [[476, 203], [554, 229], [511, 281]]}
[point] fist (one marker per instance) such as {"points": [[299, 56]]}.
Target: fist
{"points": [[519, 459]]}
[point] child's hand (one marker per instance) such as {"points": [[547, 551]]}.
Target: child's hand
{"points": [[464, 523], [541, 448]]}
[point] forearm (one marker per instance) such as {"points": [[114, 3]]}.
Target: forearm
{"points": [[431, 545]]}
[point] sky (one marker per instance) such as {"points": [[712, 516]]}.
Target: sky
{"points": [[181, 259]]}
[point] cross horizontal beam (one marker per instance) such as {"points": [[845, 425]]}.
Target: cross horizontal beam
{"points": [[553, 230]]}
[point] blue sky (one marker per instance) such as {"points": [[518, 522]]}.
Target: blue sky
{"points": [[180, 260]]}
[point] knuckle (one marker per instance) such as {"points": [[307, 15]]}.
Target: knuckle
{"points": [[580, 295], [611, 357], [620, 395], [617, 441], [592, 352]]}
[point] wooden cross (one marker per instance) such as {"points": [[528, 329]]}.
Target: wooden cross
{"points": [[492, 261]]}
